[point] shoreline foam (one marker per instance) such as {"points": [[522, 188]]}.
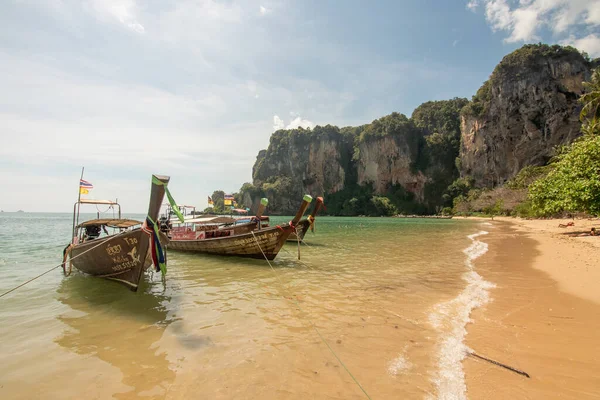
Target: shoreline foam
{"points": [[452, 318]]}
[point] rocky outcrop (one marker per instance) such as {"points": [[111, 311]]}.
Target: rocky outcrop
{"points": [[388, 160], [527, 108], [302, 161]]}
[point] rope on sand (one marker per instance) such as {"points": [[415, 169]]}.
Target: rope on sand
{"points": [[61, 264], [310, 321]]}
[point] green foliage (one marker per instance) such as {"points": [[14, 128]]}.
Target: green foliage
{"points": [[352, 200], [362, 200], [459, 188], [530, 54], [447, 211], [524, 210], [573, 184], [590, 113], [479, 104], [394, 124], [440, 121], [441, 117], [383, 206], [495, 208], [527, 176], [218, 198], [279, 186]]}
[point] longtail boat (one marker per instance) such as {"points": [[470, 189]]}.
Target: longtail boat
{"points": [[123, 255], [306, 223], [244, 240]]}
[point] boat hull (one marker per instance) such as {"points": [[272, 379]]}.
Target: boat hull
{"points": [[252, 244], [300, 231], [122, 257]]}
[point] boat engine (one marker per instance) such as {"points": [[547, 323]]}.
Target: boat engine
{"points": [[92, 231]]}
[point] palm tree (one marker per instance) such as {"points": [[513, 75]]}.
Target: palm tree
{"points": [[590, 113]]}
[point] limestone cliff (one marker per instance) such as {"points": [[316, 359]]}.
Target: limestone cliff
{"points": [[302, 161], [386, 153], [527, 108]]}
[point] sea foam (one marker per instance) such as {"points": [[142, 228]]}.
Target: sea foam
{"points": [[451, 319]]}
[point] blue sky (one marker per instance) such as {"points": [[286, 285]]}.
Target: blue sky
{"points": [[194, 88]]}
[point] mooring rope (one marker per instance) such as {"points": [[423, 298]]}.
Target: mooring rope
{"points": [[61, 264], [310, 321]]}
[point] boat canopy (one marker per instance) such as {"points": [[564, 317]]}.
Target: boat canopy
{"points": [[111, 223], [208, 220], [91, 201]]}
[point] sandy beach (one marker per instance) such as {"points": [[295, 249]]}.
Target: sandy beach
{"points": [[543, 318]]}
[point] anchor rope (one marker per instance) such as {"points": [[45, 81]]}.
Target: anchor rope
{"points": [[311, 322], [61, 264]]}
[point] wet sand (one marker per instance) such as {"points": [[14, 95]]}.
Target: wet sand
{"points": [[544, 317]]}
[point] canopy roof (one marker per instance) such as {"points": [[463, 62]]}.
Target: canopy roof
{"points": [[111, 223], [178, 205], [262, 217], [91, 201], [208, 220]]}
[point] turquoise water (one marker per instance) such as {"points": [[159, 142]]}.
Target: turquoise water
{"points": [[232, 327]]}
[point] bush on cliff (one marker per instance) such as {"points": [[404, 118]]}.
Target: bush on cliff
{"points": [[573, 184]]}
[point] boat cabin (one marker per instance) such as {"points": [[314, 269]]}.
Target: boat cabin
{"points": [[94, 228]]}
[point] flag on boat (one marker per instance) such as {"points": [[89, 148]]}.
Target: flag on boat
{"points": [[83, 190], [85, 184], [210, 202]]}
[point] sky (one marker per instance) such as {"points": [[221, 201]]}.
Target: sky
{"points": [[194, 88]]}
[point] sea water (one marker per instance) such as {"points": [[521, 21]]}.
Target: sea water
{"points": [[376, 302]]}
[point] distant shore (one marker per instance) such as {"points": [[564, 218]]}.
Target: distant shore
{"points": [[543, 317]]}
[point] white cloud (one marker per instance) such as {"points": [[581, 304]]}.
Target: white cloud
{"points": [[590, 44], [473, 5], [264, 10], [123, 11], [525, 20], [498, 14], [300, 122], [297, 122], [278, 123]]}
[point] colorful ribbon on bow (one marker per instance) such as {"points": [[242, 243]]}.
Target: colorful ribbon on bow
{"points": [[156, 250], [172, 202]]}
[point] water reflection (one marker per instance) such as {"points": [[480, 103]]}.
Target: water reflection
{"points": [[121, 328]]}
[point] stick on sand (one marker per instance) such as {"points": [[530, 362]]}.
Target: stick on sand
{"points": [[508, 367]]}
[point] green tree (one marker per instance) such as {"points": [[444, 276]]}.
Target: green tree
{"points": [[590, 113], [573, 184], [383, 206], [218, 198]]}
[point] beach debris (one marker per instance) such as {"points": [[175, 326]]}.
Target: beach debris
{"points": [[566, 225], [508, 367]]}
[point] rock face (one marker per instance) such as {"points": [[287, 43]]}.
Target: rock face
{"points": [[527, 108], [302, 161], [389, 160]]}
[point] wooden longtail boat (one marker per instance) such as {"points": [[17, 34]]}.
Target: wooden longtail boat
{"points": [[122, 256], [305, 224], [246, 240]]}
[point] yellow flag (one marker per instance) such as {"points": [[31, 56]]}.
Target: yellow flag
{"points": [[83, 191]]}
